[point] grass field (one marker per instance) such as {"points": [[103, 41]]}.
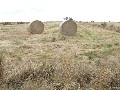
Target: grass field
{"points": [[50, 61]]}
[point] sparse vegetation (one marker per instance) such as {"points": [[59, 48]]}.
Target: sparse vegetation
{"points": [[109, 45], [17, 42], [4, 28], [90, 60], [104, 24], [91, 55], [18, 58], [116, 44]]}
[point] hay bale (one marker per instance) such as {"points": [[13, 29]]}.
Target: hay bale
{"points": [[69, 28], [36, 27]]}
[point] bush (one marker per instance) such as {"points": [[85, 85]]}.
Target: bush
{"points": [[104, 24]]}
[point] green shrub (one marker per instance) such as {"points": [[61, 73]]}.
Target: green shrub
{"points": [[104, 24]]}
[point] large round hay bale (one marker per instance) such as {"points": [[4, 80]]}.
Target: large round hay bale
{"points": [[69, 28], [36, 27]]}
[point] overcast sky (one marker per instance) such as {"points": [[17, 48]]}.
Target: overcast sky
{"points": [[54, 10]]}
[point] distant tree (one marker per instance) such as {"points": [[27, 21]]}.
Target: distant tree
{"points": [[70, 18], [21, 22], [104, 24], [66, 18], [7, 23]]}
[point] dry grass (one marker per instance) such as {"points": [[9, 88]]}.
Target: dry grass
{"points": [[112, 26], [50, 61], [1, 68]]}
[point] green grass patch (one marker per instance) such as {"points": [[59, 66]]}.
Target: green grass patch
{"points": [[109, 45], [18, 58], [107, 51], [92, 36], [3, 28], [91, 55], [17, 42], [117, 44]]}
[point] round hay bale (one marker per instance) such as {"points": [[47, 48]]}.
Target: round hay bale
{"points": [[36, 27], [69, 28]]}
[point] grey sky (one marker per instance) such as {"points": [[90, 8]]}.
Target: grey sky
{"points": [[45, 10]]}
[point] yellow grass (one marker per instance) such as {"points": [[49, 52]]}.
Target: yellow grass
{"points": [[50, 61]]}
